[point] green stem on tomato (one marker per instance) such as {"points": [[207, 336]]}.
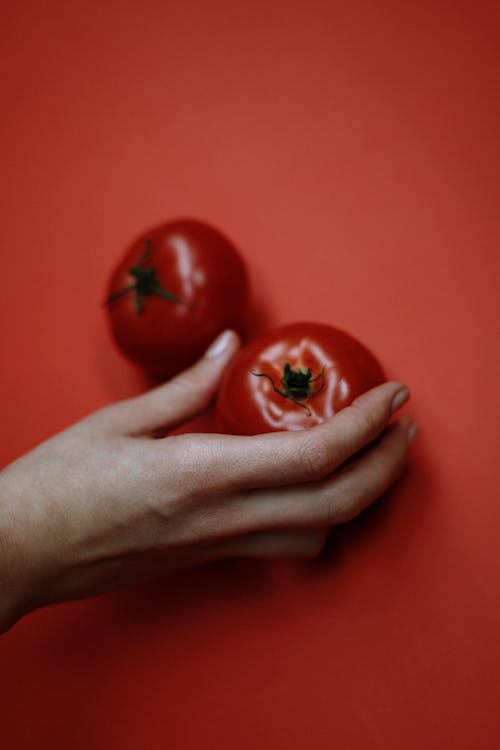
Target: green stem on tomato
{"points": [[296, 384], [145, 283]]}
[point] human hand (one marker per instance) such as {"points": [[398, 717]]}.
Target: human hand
{"points": [[103, 504]]}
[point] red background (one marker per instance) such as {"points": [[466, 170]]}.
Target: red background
{"points": [[351, 150]]}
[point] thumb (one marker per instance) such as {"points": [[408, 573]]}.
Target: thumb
{"points": [[181, 398]]}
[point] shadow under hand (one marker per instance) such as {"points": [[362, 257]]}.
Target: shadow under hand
{"points": [[388, 532]]}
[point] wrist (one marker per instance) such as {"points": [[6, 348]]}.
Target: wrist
{"points": [[13, 599]]}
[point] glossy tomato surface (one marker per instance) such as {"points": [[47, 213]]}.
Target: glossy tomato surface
{"points": [[318, 370], [177, 286]]}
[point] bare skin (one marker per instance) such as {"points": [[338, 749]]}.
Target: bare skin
{"points": [[103, 504]]}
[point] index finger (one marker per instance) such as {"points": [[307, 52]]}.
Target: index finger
{"points": [[282, 458]]}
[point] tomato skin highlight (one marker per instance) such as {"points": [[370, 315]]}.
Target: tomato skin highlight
{"points": [[208, 284], [249, 405]]}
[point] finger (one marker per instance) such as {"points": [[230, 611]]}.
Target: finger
{"points": [[178, 400], [271, 544], [282, 458], [335, 500]]}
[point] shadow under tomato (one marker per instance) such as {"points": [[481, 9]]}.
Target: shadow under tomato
{"points": [[259, 320], [120, 377]]}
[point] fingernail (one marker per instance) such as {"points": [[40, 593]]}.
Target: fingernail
{"points": [[412, 431], [220, 344], [399, 399]]}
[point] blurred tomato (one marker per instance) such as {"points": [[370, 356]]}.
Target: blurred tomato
{"points": [[177, 287]]}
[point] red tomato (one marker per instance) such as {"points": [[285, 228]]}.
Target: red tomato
{"points": [[177, 286], [292, 378]]}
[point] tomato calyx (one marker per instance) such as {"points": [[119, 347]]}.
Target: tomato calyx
{"points": [[145, 283], [297, 384]]}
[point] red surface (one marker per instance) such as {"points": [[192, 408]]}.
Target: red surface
{"points": [[352, 151]]}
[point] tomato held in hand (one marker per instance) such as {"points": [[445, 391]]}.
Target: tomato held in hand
{"points": [[292, 378], [177, 287]]}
